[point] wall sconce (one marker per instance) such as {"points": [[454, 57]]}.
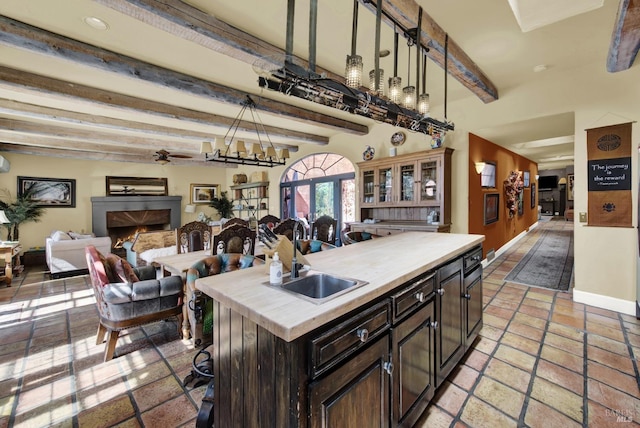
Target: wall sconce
{"points": [[537, 177], [562, 181], [480, 167]]}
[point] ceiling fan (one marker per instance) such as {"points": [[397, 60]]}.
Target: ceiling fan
{"points": [[162, 156]]}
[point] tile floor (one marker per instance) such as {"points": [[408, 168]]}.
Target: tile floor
{"points": [[542, 361]]}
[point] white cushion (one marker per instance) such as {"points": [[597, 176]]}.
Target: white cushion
{"points": [[149, 255], [75, 235], [59, 235]]}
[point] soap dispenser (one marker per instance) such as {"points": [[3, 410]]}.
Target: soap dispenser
{"points": [[275, 270]]}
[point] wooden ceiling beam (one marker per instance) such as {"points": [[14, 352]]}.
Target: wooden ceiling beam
{"points": [[26, 37], [182, 20], [625, 40], [459, 65], [12, 79], [29, 112]]}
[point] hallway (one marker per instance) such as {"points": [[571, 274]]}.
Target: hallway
{"points": [[541, 361]]}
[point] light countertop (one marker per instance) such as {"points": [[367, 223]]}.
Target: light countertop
{"points": [[384, 263]]}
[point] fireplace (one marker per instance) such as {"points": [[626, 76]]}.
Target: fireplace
{"points": [[120, 217]]}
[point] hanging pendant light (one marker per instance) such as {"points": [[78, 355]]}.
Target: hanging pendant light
{"points": [[409, 91], [376, 76], [395, 82], [423, 99], [353, 70]]}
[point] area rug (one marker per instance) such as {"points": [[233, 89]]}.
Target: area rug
{"points": [[549, 263]]}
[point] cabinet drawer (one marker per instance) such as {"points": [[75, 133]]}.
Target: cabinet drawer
{"points": [[384, 231], [341, 341], [415, 293], [472, 259]]}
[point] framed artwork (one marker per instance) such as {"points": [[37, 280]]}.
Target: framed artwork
{"points": [[488, 176], [521, 203], [204, 193], [570, 187], [136, 186], [49, 192], [526, 179], [491, 204], [533, 195]]}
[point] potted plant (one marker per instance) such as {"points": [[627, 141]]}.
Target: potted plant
{"points": [[223, 205], [22, 210]]}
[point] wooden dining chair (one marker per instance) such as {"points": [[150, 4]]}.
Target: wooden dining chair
{"points": [[194, 236]]}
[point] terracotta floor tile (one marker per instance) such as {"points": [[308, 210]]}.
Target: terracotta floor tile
{"points": [[100, 393], [608, 344], [156, 393], [171, 413], [450, 397], [540, 295], [604, 312], [522, 343], [499, 312], [434, 417], [107, 413], [146, 375], [476, 360], [463, 376], [563, 358], [566, 331], [614, 378], [494, 321], [573, 320], [602, 417], [529, 320], [478, 414], [486, 345], [526, 331], [604, 320], [540, 415], [634, 339], [564, 343], [47, 414], [46, 392], [502, 397], [536, 303], [602, 330], [511, 376], [562, 376], [491, 332], [535, 312], [614, 399], [558, 398], [506, 304], [515, 357], [610, 359]]}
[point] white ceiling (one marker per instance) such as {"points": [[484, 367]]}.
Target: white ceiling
{"points": [[486, 30]]}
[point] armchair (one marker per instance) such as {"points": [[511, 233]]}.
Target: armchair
{"points": [[128, 297], [200, 306]]}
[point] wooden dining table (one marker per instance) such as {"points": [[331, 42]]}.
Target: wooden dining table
{"points": [[178, 264]]}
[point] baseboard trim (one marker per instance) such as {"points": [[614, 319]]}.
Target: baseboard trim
{"points": [[605, 302]]}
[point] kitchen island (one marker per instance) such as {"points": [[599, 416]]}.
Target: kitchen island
{"points": [[373, 355]]}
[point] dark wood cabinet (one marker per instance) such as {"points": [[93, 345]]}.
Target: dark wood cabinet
{"points": [[412, 342], [450, 335], [356, 393]]}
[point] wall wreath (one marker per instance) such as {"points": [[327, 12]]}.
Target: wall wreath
{"points": [[513, 186]]}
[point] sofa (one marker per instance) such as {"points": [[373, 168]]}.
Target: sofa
{"points": [[148, 245], [65, 252]]}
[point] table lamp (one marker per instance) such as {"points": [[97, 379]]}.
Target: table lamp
{"points": [[3, 218]]}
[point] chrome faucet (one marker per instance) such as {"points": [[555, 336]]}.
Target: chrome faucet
{"points": [[294, 260]]}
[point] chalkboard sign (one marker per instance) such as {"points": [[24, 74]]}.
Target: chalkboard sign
{"points": [[609, 174]]}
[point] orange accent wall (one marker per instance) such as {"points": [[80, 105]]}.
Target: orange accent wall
{"points": [[505, 229]]}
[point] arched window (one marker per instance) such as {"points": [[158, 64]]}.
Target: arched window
{"points": [[323, 184]]}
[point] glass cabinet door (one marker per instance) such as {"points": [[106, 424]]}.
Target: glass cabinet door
{"points": [[429, 190], [385, 181], [368, 186], [407, 181]]}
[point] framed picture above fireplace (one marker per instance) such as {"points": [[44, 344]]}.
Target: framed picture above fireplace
{"points": [[204, 193], [49, 192], [136, 186]]}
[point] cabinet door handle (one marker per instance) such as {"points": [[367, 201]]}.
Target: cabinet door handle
{"points": [[420, 297], [434, 325], [440, 291], [388, 367], [467, 296], [363, 334]]}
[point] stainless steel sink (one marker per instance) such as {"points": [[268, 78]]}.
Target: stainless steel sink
{"points": [[319, 287]]}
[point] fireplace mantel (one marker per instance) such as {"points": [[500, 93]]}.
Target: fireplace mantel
{"points": [[102, 205]]}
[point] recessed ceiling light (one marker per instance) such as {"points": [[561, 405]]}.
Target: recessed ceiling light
{"points": [[539, 68], [96, 23]]}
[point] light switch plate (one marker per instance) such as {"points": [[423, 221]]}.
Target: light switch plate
{"points": [[583, 217]]}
